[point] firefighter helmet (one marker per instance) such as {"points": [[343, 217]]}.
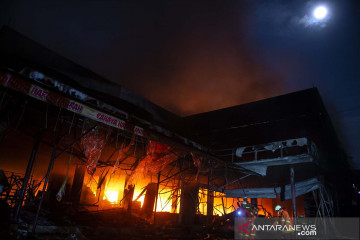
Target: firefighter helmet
{"points": [[278, 207], [245, 202]]}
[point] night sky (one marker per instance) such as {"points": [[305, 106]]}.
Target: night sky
{"points": [[196, 56]]}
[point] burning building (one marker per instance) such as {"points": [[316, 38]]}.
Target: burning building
{"points": [[77, 144]]}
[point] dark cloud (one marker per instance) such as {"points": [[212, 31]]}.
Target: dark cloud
{"points": [[194, 56]]}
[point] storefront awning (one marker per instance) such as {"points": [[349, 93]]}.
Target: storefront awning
{"points": [[300, 189]]}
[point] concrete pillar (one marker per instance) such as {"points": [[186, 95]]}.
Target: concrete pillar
{"points": [[174, 202], [24, 186], [77, 184], [293, 191], [210, 205], [175, 198], [100, 192], [128, 197], [254, 202], [149, 201], [55, 183], [188, 203]]}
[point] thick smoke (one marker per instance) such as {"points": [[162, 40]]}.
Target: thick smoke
{"points": [[195, 60]]}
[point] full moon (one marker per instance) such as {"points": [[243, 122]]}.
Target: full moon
{"points": [[320, 12]]}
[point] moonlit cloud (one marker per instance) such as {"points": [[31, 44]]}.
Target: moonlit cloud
{"points": [[309, 21]]}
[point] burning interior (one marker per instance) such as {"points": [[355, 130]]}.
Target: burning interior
{"points": [[77, 145]]}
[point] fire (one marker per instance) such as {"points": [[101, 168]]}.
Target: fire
{"points": [[141, 199], [114, 193], [164, 201], [111, 196]]}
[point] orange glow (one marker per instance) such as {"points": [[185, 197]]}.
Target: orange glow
{"points": [[111, 196], [203, 201], [92, 183], [141, 199], [267, 204], [114, 193], [115, 186], [230, 78], [164, 201], [230, 204]]}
